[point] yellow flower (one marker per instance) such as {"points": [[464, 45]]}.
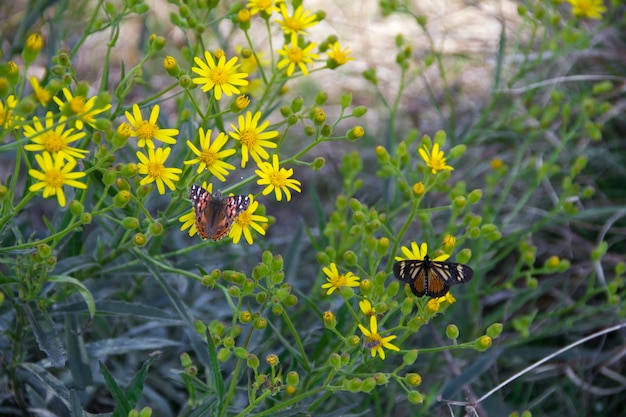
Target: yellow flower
{"points": [[223, 77], [435, 160], [418, 253], [81, 107], [54, 139], [367, 308], [339, 56], [54, 175], [301, 19], [296, 56], [40, 93], [248, 220], [592, 9], [252, 137], [336, 281], [189, 219], [146, 130], [449, 242], [277, 179], [6, 112], [153, 167], [211, 154], [265, 6], [374, 341]]}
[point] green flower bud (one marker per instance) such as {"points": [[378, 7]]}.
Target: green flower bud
{"points": [[494, 330], [156, 229], [140, 239], [296, 104], [355, 384], [121, 199], [259, 323], [253, 361], [130, 223], [452, 332], [415, 397], [350, 258], [76, 207], [185, 360], [368, 384], [321, 98], [334, 360], [85, 218], [483, 343], [410, 357], [223, 355], [359, 111]]}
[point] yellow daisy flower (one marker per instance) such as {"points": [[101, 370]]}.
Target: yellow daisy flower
{"points": [[81, 107], [367, 308], [41, 94], [301, 19], [153, 167], [221, 77], [146, 130], [266, 6], [53, 138], [246, 221], [436, 159], [277, 179], [253, 139], [54, 174], [337, 55], [294, 55], [374, 341], [6, 112], [591, 9], [210, 154], [418, 253], [336, 281]]}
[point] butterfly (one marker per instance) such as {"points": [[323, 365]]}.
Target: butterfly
{"points": [[432, 278], [215, 215]]}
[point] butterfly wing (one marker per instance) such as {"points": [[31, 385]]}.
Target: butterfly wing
{"points": [[431, 278], [229, 209], [202, 201], [215, 215], [413, 272]]}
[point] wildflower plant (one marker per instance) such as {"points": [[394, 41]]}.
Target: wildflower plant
{"points": [[105, 283]]}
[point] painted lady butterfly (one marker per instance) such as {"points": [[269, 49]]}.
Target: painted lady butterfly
{"points": [[215, 215]]}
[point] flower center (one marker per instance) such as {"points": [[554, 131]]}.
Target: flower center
{"points": [[155, 169], [77, 105], [264, 4], [54, 178], [373, 341], [339, 281], [437, 163], [208, 157], [248, 138], [278, 179], [293, 24], [219, 76], [146, 130], [53, 142], [244, 219], [295, 55]]}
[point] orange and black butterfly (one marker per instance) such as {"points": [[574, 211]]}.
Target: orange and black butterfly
{"points": [[432, 278]]}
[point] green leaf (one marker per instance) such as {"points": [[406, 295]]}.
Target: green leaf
{"points": [[135, 387], [47, 337], [84, 292], [122, 406]]}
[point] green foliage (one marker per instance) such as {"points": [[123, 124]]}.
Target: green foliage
{"points": [[290, 305]]}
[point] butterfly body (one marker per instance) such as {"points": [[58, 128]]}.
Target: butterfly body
{"points": [[432, 278], [215, 215]]}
